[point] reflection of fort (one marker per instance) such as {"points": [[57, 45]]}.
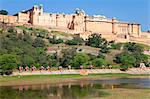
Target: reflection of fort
{"points": [[79, 23], [77, 90], [69, 90]]}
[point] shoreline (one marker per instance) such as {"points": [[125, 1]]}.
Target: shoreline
{"points": [[63, 78]]}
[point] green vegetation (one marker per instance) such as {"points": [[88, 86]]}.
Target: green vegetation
{"points": [[75, 41], [38, 32], [95, 40], [116, 45], [55, 41], [98, 62], [67, 56], [131, 56], [126, 59], [63, 76], [79, 59], [61, 33], [21, 50], [3, 12], [30, 48], [8, 62]]}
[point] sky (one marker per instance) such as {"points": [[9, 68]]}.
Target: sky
{"points": [[125, 10]]}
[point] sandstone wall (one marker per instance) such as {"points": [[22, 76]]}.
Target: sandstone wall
{"points": [[8, 19], [23, 18]]}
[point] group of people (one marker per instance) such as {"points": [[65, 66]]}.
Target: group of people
{"points": [[33, 68], [21, 69]]}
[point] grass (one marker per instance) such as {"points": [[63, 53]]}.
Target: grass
{"points": [[74, 76], [22, 27], [146, 47], [61, 33], [127, 93], [54, 78], [38, 30]]}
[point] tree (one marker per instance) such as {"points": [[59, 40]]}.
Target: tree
{"points": [[3, 12], [136, 50], [27, 60], [95, 40], [98, 62], [133, 47], [38, 42], [8, 62], [67, 56], [140, 58], [79, 59], [126, 60]]}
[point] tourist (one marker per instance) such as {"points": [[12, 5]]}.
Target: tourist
{"points": [[81, 67], [142, 66], [33, 68], [26, 68], [110, 66], [69, 67], [103, 67], [60, 68], [48, 68], [20, 69], [91, 66], [41, 68]]}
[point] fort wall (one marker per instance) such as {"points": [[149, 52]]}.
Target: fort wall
{"points": [[8, 19], [78, 22]]}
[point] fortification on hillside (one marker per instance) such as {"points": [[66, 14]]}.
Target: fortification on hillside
{"points": [[79, 23]]}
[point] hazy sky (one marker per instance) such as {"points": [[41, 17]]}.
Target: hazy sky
{"points": [[125, 10]]}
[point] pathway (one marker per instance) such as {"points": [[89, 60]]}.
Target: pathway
{"points": [[85, 71]]}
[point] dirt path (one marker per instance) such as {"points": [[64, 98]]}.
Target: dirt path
{"points": [[84, 72]]}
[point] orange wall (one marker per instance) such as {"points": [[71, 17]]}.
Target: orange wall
{"points": [[8, 19]]}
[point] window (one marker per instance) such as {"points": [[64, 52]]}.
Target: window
{"points": [[50, 15], [63, 16], [39, 13], [40, 7]]}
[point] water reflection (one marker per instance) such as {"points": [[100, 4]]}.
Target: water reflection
{"points": [[78, 90], [60, 91]]}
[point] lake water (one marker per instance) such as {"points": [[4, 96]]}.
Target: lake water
{"points": [[132, 88]]}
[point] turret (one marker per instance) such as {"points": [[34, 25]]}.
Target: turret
{"points": [[114, 25], [79, 11], [38, 10]]}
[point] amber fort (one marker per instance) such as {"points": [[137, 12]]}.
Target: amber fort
{"points": [[79, 23]]}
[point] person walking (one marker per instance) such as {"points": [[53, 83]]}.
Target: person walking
{"points": [[20, 69], [26, 68]]}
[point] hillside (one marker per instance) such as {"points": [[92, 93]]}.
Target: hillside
{"points": [[34, 46]]}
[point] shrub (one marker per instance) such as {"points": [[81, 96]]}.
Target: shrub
{"points": [[98, 62], [75, 41], [8, 62], [38, 42], [55, 41], [79, 59], [116, 46]]}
